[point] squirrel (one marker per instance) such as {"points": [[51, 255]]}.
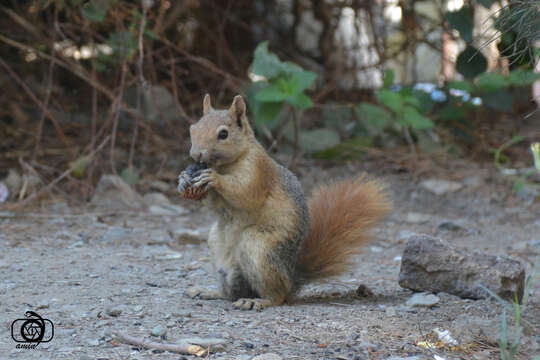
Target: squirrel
{"points": [[268, 240]]}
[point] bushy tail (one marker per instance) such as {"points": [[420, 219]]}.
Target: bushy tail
{"points": [[340, 217]]}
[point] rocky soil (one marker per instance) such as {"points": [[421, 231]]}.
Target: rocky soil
{"points": [[117, 265]]}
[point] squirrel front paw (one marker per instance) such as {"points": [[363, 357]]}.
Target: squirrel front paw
{"points": [[207, 178], [252, 304]]}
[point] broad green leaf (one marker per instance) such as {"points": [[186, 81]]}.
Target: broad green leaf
{"points": [[415, 120], [95, 10], [265, 63], [490, 82], [470, 62], [522, 77], [312, 141], [462, 21], [375, 118], [388, 78], [301, 80], [411, 100], [271, 93], [267, 114], [390, 99], [460, 85], [501, 100], [300, 101]]}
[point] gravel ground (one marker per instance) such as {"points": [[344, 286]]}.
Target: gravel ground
{"points": [[93, 270]]}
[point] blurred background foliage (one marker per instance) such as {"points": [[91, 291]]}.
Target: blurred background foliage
{"points": [[99, 86]]}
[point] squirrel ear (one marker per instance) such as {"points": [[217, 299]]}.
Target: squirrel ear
{"points": [[207, 104], [238, 110]]}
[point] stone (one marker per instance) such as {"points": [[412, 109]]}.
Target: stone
{"points": [[159, 331], [13, 182], [416, 357], [113, 311], [441, 187], [156, 198], [167, 210], [267, 356], [432, 265], [93, 342], [423, 299], [114, 234], [186, 236], [160, 186], [159, 104], [449, 225], [114, 193], [417, 218]]}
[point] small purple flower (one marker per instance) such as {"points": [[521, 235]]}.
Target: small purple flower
{"points": [[438, 96]]}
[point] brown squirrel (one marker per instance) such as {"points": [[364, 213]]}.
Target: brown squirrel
{"points": [[267, 240]]}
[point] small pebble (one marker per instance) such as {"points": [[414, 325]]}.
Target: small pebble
{"points": [[93, 342], [113, 311], [423, 299], [159, 331]]}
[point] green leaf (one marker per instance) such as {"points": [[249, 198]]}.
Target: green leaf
{"points": [[501, 100], [462, 21], [388, 78], [271, 93], [411, 100], [267, 114], [425, 101], [470, 62], [522, 77], [451, 111], [415, 120], [267, 64], [317, 140], [374, 117], [300, 101], [79, 166], [489, 82], [460, 85], [122, 44], [390, 99], [95, 10], [301, 80]]}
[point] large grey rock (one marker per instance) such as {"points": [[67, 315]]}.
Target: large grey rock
{"points": [[113, 192], [430, 264]]}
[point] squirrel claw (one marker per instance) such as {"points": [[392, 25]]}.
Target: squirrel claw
{"points": [[252, 304], [206, 177]]}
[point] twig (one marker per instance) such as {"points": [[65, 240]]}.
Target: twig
{"points": [[182, 348], [47, 95], [52, 183], [117, 114], [42, 106], [142, 85]]}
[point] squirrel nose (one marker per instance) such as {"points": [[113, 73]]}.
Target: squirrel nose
{"points": [[196, 154]]}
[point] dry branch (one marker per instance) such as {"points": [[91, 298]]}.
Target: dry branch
{"points": [[181, 348]]}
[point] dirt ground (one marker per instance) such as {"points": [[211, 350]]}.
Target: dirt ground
{"points": [[93, 270]]}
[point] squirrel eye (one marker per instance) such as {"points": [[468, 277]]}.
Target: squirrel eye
{"points": [[222, 135]]}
